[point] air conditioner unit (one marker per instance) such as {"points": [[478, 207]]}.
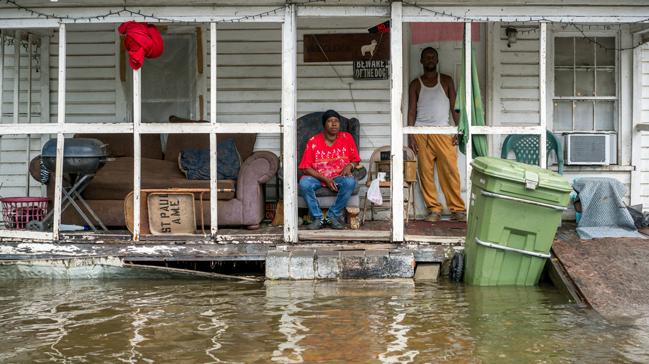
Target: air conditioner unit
{"points": [[588, 149]]}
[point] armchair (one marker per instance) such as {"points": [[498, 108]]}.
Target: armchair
{"points": [[310, 125]]}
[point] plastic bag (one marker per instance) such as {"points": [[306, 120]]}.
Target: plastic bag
{"points": [[374, 193]]}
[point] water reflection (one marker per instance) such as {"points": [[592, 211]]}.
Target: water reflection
{"points": [[292, 322]]}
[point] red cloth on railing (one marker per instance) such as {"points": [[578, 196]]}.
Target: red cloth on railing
{"points": [[142, 40]]}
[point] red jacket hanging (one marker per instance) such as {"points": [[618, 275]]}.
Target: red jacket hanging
{"points": [[142, 40]]}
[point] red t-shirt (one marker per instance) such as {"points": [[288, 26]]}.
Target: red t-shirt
{"points": [[329, 160]]}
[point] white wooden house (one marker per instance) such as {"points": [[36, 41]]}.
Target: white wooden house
{"points": [[556, 75]]}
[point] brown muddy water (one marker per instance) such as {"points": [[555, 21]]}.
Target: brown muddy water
{"points": [[185, 321]]}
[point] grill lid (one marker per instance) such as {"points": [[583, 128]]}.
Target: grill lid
{"points": [[77, 148]]}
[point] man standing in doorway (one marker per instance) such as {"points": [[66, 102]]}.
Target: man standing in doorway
{"points": [[431, 100]]}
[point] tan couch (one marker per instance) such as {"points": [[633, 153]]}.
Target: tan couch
{"points": [[107, 190]]}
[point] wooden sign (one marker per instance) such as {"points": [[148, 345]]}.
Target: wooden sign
{"points": [[171, 213], [372, 69], [346, 47]]}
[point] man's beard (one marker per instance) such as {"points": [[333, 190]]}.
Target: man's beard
{"points": [[430, 69]]}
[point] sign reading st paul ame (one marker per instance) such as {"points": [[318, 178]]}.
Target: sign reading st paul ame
{"points": [[372, 69]]}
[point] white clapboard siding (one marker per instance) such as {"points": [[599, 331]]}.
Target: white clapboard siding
{"points": [[249, 83], [13, 155], [90, 84], [516, 79], [644, 118]]}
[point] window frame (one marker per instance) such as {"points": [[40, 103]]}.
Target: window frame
{"points": [[599, 33]]}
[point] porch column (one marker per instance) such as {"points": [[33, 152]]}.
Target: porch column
{"points": [[468, 98], [17, 37], [30, 50], [60, 140], [2, 67], [137, 149], [543, 93], [396, 135], [213, 148], [289, 116]]}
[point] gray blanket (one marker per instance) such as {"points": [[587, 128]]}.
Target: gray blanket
{"points": [[604, 214]]}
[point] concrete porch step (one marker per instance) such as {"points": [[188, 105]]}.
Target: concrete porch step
{"points": [[340, 264]]}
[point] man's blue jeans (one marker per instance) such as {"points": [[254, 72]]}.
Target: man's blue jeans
{"points": [[308, 186]]}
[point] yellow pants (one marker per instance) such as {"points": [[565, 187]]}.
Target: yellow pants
{"points": [[439, 149]]}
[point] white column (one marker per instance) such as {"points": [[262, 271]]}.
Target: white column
{"points": [[543, 45], [2, 70], [468, 98], [60, 140], [30, 50], [44, 63], [396, 120], [17, 37], [289, 116], [137, 148], [213, 172]]}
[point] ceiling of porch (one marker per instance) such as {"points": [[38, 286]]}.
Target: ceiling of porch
{"points": [[136, 3]]}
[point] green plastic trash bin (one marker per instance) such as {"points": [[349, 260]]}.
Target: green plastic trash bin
{"points": [[515, 210]]}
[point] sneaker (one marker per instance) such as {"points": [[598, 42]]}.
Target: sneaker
{"points": [[458, 216], [336, 223], [315, 224], [433, 217]]}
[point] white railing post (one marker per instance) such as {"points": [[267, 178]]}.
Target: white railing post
{"points": [[137, 148], [17, 37], [396, 120], [289, 115], [30, 50], [2, 68], [60, 140], [468, 101], [542, 94], [213, 170]]}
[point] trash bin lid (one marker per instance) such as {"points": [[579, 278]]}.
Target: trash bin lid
{"points": [[521, 172]]}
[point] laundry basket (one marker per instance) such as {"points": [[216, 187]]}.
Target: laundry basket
{"points": [[18, 211]]}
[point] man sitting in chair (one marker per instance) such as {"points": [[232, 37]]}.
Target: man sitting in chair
{"points": [[328, 160]]}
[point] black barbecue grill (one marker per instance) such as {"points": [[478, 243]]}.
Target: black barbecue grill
{"points": [[82, 158]]}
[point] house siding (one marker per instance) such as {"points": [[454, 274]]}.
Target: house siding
{"points": [[515, 96], [13, 148], [249, 83], [644, 118]]}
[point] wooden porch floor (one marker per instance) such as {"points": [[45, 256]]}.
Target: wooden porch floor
{"points": [[444, 231]]}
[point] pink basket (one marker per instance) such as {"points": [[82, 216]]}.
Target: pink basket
{"points": [[18, 211]]}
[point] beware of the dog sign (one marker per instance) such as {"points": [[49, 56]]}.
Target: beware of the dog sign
{"points": [[346, 47], [377, 69]]}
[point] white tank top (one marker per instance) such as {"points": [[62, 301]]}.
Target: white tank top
{"points": [[432, 106]]}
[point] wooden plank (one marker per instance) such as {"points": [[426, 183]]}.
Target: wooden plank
{"points": [[137, 151], [396, 129], [355, 235], [60, 140], [468, 89], [563, 282], [289, 116], [213, 147], [543, 94]]}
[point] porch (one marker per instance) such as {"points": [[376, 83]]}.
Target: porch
{"points": [[515, 99]]}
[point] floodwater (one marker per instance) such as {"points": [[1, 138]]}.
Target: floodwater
{"points": [[199, 321]]}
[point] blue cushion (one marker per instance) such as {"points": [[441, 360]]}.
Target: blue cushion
{"points": [[195, 163]]}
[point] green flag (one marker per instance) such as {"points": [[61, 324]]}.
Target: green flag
{"points": [[477, 112]]}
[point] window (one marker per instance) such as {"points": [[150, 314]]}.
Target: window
{"points": [[585, 84], [169, 82]]}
